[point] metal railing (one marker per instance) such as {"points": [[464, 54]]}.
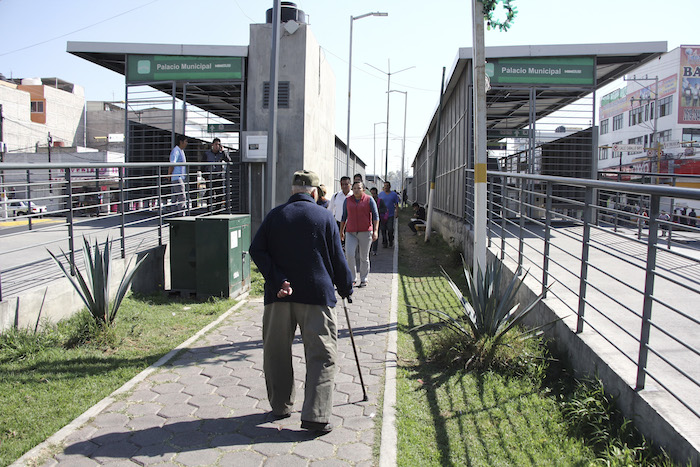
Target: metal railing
{"points": [[629, 277], [51, 206]]}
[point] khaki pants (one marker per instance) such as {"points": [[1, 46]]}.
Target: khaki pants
{"points": [[320, 336]]}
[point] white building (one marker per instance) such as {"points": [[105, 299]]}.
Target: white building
{"points": [[33, 108], [658, 113]]}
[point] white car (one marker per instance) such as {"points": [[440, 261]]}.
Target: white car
{"points": [[21, 208]]}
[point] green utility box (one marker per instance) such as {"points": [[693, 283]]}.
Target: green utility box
{"points": [[183, 270], [222, 260]]}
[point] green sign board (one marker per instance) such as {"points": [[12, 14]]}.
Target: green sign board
{"points": [[222, 127], [508, 133], [542, 70], [143, 68]]}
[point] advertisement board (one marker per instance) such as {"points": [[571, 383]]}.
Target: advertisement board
{"points": [[622, 100], [689, 85]]}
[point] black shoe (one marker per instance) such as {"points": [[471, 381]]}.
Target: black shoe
{"points": [[271, 416], [318, 427]]}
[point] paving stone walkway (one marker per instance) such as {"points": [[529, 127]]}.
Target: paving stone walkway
{"points": [[208, 405]]}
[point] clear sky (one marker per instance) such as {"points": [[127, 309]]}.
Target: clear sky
{"points": [[424, 35]]}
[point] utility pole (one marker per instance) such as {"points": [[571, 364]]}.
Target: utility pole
{"points": [[655, 146], [3, 195], [480, 157], [49, 140]]}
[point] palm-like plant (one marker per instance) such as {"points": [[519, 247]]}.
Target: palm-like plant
{"points": [[93, 287], [488, 308]]}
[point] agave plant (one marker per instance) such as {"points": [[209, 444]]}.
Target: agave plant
{"points": [[488, 308], [93, 287]]}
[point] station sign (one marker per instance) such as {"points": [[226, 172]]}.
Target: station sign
{"points": [[222, 127], [145, 68], [508, 133], [542, 70]]}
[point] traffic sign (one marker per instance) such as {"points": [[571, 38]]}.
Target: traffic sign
{"points": [[672, 144]]}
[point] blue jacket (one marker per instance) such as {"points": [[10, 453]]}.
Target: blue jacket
{"points": [[299, 242]]}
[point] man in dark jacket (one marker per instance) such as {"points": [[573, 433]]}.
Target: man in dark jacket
{"points": [[216, 173], [297, 249]]}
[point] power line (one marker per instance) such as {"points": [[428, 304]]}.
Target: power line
{"points": [[78, 30]]}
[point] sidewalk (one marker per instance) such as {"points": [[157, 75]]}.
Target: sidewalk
{"points": [[207, 406]]}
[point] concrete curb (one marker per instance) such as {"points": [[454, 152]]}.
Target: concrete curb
{"points": [[388, 448], [58, 437]]}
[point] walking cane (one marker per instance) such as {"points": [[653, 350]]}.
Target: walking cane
{"points": [[354, 349]]}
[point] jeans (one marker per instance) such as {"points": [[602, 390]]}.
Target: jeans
{"points": [[352, 241]]}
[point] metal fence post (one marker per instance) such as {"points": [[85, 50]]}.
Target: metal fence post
{"points": [[521, 227], [504, 197], [228, 188], [210, 183], [69, 215], [583, 279], [29, 200], [159, 192], [648, 291], [489, 211], [547, 237], [188, 196], [122, 206]]}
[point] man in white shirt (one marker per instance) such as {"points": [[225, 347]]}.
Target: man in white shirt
{"points": [[178, 174], [336, 203]]}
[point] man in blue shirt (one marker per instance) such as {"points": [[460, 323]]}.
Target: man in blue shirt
{"points": [[392, 200], [297, 249], [178, 174]]}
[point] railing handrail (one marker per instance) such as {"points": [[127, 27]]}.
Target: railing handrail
{"points": [[100, 165], [669, 191]]}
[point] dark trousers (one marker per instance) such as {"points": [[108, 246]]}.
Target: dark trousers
{"points": [[387, 231]]}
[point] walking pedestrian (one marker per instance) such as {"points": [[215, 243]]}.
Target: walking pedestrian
{"points": [[381, 208], [337, 201], [177, 175], [322, 201], [297, 249], [392, 200], [664, 218], [359, 228]]}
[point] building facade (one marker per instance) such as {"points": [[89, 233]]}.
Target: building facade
{"points": [[41, 111], [652, 124]]}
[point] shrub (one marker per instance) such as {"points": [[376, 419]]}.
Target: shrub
{"points": [[93, 288], [488, 311]]}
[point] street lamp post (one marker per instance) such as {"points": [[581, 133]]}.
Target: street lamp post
{"points": [[347, 141], [388, 93], [374, 147], [403, 144]]}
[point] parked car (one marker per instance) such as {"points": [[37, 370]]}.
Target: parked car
{"points": [[22, 208]]}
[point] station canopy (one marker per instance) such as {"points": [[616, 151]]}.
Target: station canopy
{"points": [[567, 72], [219, 94]]}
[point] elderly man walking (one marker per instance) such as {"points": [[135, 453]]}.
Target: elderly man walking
{"points": [[359, 228], [297, 249]]}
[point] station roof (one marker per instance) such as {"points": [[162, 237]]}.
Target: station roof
{"points": [[508, 106], [221, 99]]}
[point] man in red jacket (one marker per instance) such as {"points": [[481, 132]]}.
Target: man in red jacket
{"points": [[359, 227]]}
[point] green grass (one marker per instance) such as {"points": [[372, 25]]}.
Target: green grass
{"points": [[48, 379], [512, 414]]}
